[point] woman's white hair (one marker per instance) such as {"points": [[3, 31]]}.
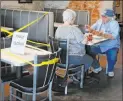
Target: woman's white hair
{"points": [[69, 15]]}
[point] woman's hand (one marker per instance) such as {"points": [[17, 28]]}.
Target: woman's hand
{"points": [[87, 27]]}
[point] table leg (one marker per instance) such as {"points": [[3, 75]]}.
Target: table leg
{"points": [[19, 72], [34, 80], [19, 75]]}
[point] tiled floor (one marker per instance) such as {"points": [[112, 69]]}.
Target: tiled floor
{"points": [[106, 90]]}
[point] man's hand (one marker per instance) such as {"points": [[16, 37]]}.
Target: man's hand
{"points": [[94, 32]]}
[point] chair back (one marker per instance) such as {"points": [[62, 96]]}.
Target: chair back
{"points": [[54, 44], [45, 72], [64, 45]]}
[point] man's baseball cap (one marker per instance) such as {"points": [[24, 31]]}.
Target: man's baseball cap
{"points": [[108, 13]]}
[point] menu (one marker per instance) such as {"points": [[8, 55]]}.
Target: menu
{"points": [[18, 42]]}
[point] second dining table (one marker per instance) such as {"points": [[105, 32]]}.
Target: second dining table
{"points": [[7, 57]]}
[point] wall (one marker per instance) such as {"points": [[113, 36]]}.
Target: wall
{"points": [[36, 5], [56, 4], [106, 4], [92, 6], [95, 7], [64, 4], [119, 10]]}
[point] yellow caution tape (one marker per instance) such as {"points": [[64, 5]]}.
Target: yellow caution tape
{"points": [[4, 30], [48, 45], [36, 48], [52, 61], [49, 62]]}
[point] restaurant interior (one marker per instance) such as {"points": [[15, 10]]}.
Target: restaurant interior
{"points": [[35, 65]]}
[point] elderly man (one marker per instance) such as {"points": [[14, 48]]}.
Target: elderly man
{"points": [[109, 28]]}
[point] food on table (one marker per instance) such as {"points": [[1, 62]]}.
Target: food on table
{"points": [[105, 35], [89, 38], [94, 32]]}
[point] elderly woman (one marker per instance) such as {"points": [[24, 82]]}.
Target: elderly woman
{"points": [[109, 28], [77, 54]]}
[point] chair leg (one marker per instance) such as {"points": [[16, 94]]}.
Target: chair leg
{"points": [[82, 77], [27, 97], [66, 87], [50, 91], [2, 92], [107, 69], [10, 95], [98, 57]]}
